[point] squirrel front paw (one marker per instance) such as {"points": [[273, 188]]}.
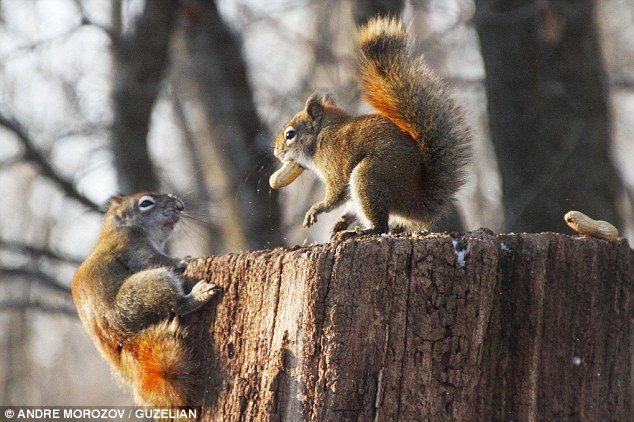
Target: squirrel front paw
{"points": [[311, 217], [204, 291]]}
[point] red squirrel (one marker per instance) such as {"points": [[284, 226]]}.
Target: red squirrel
{"points": [[405, 162], [129, 295]]}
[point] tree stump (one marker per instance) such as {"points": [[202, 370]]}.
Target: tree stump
{"points": [[478, 327]]}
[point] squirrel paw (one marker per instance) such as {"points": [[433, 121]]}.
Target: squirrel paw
{"points": [[203, 291], [341, 225], [311, 217], [348, 234]]}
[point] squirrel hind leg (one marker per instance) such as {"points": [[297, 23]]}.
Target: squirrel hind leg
{"points": [[404, 224], [398, 228], [370, 200], [377, 217], [349, 234], [346, 219]]}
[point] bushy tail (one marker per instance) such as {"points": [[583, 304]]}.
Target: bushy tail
{"points": [[400, 86], [164, 367]]}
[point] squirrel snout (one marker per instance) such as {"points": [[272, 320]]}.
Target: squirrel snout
{"points": [[178, 203]]}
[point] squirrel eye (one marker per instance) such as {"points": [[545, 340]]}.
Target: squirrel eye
{"points": [[146, 203], [290, 135]]}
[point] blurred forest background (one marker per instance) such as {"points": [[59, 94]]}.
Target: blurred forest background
{"points": [[104, 97]]}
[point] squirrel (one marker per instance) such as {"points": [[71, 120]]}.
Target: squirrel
{"points": [[129, 295], [406, 161]]}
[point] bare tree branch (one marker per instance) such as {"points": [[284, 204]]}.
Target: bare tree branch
{"points": [[37, 276], [11, 305], [28, 47], [34, 156], [112, 33], [38, 252]]}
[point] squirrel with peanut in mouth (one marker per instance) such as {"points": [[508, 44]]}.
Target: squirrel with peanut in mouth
{"points": [[405, 162]]}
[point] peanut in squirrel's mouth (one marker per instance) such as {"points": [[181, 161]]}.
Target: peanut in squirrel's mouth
{"points": [[289, 171]]}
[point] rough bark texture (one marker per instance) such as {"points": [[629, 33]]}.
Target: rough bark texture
{"points": [[472, 328]]}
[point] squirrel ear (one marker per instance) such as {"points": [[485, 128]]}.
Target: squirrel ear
{"points": [[329, 99], [113, 200], [315, 109]]}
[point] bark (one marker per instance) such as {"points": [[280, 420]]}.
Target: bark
{"points": [[478, 327], [548, 111], [140, 59]]}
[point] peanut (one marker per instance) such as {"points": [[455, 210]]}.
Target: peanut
{"points": [[585, 225], [285, 175]]}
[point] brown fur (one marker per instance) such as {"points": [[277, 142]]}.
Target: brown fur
{"points": [[129, 294], [408, 160]]}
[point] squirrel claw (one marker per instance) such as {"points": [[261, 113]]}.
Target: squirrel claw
{"points": [[310, 219], [203, 291], [348, 234], [358, 231]]}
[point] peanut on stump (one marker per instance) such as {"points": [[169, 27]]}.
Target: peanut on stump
{"points": [[585, 225]]}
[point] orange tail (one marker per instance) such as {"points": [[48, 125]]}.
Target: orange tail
{"points": [[164, 367], [404, 89]]}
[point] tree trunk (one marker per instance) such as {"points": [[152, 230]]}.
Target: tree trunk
{"points": [[548, 111], [480, 327], [140, 59], [240, 144]]}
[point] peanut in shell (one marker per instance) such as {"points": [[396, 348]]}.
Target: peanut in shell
{"points": [[585, 225], [285, 175]]}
